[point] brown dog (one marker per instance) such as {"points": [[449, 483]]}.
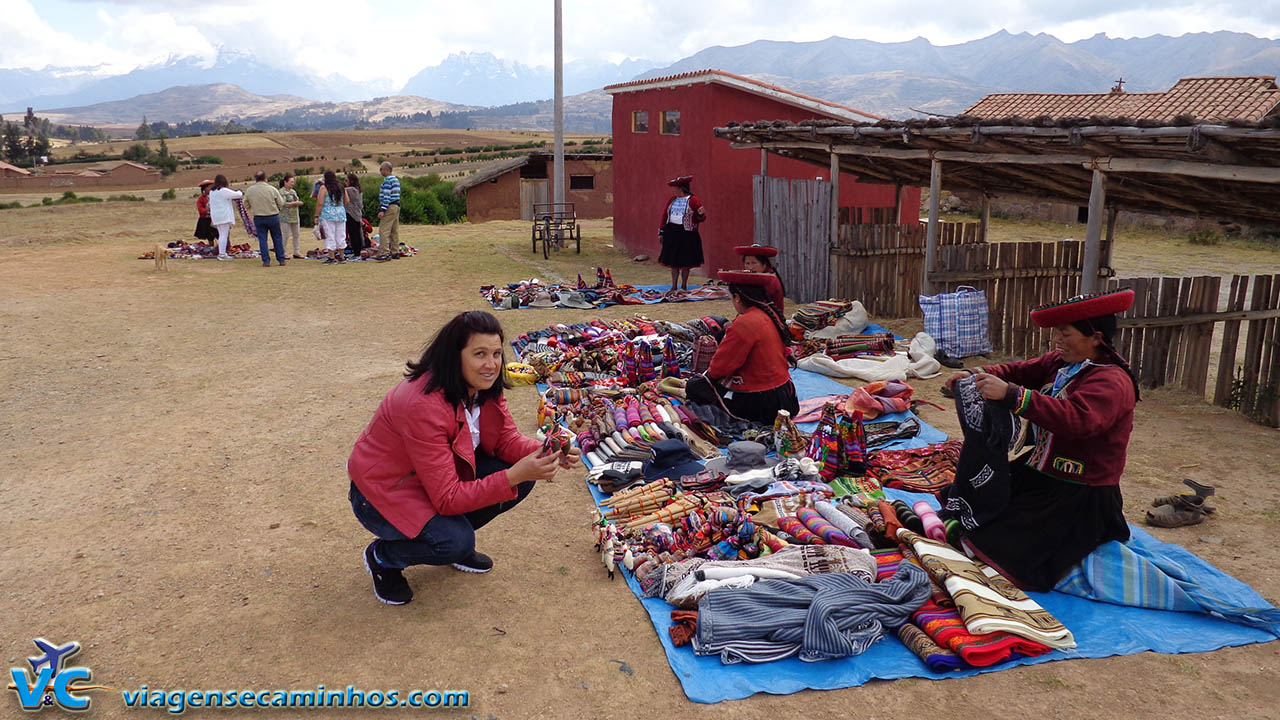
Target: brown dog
{"points": [[162, 257]]}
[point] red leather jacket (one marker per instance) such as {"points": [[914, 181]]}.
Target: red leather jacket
{"points": [[414, 460]]}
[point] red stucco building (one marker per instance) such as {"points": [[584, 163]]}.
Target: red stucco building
{"points": [[662, 128]]}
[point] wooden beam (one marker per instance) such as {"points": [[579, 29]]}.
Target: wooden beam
{"points": [[931, 237], [984, 218], [1235, 173], [1197, 318], [835, 222], [1093, 233], [764, 162], [1004, 273], [897, 202]]}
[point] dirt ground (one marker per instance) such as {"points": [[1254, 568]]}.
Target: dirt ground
{"points": [[173, 449]]}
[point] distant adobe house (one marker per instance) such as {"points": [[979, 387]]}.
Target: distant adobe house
{"points": [[122, 171], [1208, 99], [508, 190], [7, 170], [663, 128]]}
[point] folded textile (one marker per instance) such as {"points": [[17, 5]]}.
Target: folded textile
{"points": [[676, 582], [927, 469], [845, 523], [945, 627], [684, 623], [887, 562], [1138, 574], [883, 433], [880, 397], [822, 617], [897, 367], [986, 600], [936, 657], [853, 321]]}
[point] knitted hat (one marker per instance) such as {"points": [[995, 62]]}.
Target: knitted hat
{"points": [[682, 180], [671, 459], [1082, 307], [756, 250]]}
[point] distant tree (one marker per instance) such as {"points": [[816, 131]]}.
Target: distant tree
{"points": [[144, 130], [164, 147], [14, 151], [138, 152]]}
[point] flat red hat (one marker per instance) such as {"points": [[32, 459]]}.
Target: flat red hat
{"points": [[766, 280], [682, 180], [1082, 307], [205, 182], [756, 250]]}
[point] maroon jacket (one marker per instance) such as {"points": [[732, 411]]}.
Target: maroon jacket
{"points": [[1083, 432], [751, 357], [415, 460]]}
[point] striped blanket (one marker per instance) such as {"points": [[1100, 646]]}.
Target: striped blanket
{"points": [[1142, 573]]}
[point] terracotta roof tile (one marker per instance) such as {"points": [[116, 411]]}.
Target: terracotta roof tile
{"points": [[1213, 98]]}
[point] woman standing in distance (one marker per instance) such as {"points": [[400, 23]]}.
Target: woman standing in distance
{"points": [[222, 211], [332, 218], [681, 243], [353, 199], [442, 457], [290, 224]]}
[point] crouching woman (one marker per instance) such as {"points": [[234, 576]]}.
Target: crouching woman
{"points": [[441, 458]]}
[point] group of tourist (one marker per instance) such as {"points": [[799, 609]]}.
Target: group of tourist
{"points": [[274, 212]]}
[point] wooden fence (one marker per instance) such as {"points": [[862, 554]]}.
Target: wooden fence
{"points": [[882, 265], [1168, 337], [795, 217], [1016, 277], [868, 216]]}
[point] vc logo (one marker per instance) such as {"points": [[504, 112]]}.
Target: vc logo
{"points": [[50, 682]]}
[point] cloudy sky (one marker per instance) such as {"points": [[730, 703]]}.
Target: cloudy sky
{"points": [[393, 39]]}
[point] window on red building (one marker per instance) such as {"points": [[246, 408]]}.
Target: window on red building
{"points": [[582, 182], [670, 122], [640, 121]]}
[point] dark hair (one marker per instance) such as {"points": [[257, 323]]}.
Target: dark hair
{"points": [[332, 186], [353, 180], [285, 179], [442, 358], [685, 187], [1106, 327], [755, 296], [260, 176], [219, 181]]}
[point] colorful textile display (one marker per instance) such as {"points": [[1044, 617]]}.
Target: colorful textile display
{"points": [[907, 517], [880, 397], [933, 527], [927, 469], [944, 627], [822, 617], [938, 658], [846, 486], [986, 600], [796, 529], [533, 293], [818, 525], [844, 523]]}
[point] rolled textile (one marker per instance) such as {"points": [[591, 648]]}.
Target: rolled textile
{"points": [[845, 523], [907, 517], [892, 524], [936, 657], [796, 529], [819, 526], [933, 527], [789, 563], [946, 628]]}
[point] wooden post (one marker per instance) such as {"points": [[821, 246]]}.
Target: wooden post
{"points": [[931, 238], [984, 220], [764, 162], [1093, 233], [1111, 239], [835, 221], [897, 205]]}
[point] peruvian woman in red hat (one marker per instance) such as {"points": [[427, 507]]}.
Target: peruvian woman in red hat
{"points": [[750, 374], [1038, 481], [759, 259], [681, 243]]}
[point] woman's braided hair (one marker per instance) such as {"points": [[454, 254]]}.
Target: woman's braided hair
{"points": [[755, 296]]}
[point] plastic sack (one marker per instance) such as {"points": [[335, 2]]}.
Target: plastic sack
{"points": [[958, 321]]}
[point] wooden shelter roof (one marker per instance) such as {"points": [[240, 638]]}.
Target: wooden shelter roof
{"points": [[1212, 170], [1211, 99]]}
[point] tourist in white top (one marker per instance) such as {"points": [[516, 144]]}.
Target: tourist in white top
{"points": [[222, 212]]}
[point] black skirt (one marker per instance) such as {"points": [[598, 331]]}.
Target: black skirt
{"points": [[205, 230], [680, 248], [1048, 526], [760, 407]]}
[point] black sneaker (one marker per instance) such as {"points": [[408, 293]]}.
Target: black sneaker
{"points": [[475, 563], [389, 585]]}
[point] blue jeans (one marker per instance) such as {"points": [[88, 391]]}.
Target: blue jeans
{"points": [[263, 224], [446, 539]]}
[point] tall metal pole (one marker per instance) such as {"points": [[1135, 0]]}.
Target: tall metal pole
{"points": [[559, 111]]}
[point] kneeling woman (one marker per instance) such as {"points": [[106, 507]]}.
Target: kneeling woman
{"points": [[750, 372], [1063, 497], [441, 458]]}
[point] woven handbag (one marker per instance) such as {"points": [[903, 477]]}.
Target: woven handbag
{"points": [[703, 349]]}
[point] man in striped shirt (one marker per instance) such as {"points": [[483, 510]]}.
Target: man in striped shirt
{"points": [[389, 210]]}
